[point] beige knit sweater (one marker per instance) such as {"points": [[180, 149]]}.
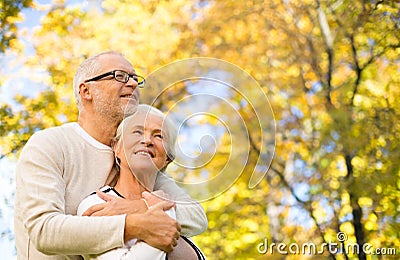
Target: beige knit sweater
{"points": [[57, 168]]}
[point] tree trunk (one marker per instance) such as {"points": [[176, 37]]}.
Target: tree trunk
{"points": [[357, 211]]}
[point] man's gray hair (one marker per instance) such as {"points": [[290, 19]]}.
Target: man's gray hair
{"points": [[87, 69]]}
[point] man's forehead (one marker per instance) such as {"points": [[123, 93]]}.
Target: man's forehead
{"points": [[113, 61]]}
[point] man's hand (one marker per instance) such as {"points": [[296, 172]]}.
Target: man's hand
{"points": [[154, 227], [115, 206]]}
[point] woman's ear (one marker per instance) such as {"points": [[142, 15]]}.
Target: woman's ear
{"points": [[168, 160], [114, 144]]}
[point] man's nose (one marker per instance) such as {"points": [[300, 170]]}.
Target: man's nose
{"points": [[132, 83]]}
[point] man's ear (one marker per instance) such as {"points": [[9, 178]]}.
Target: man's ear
{"points": [[85, 91]]}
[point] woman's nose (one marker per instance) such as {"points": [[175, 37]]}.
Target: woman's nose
{"points": [[146, 140]]}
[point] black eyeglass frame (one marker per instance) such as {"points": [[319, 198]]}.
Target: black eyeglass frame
{"points": [[112, 73]]}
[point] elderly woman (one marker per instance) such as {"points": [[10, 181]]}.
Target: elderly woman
{"points": [[144, 146]]}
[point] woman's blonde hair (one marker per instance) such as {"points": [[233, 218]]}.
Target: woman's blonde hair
{"points": [[170, 132]]}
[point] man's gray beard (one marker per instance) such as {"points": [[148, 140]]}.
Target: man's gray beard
{"points": [[109, 111], [112, 110], [130, 109]]}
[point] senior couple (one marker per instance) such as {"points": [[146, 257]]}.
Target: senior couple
{"points": [[56, 218]]}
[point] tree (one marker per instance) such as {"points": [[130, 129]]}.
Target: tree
{"points": [[326, 67], [9, 16], [330, 70]]}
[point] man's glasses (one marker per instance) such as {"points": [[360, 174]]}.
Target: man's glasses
{"points": [[121, 76]]}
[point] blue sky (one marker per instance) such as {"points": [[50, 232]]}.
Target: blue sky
{"points": [[6, 211], [16, 77]]}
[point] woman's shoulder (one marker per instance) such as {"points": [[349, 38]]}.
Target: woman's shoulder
{"points": [[92, 199]]}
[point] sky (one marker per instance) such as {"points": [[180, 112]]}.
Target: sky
{"points": [[6, 211], [17, 78], [23, 80]]}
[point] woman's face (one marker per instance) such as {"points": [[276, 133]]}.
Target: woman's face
{"points": [[143, 145]]}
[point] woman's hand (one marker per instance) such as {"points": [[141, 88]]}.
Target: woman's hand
{"points": [[155, 197]]}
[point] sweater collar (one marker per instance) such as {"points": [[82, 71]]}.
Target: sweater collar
{"points": [[88, 137]]}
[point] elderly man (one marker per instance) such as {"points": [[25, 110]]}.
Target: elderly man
{"points": [[59, 166]]}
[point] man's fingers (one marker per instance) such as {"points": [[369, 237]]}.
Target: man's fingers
{"points": [[179, 228], [158, 194], [145, 194], [174, 242], [161, 194], [164, 205], [93, 209], [169, 249], [104, 196]]}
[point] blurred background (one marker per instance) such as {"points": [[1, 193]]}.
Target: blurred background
{"points": [[330, 70]]}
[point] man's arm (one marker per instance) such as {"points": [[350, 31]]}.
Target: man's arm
{"points": [[40, 204], [190, 214], [153, 226]]}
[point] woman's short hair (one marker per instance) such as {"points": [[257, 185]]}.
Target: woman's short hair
{"points": [[170, 130]]}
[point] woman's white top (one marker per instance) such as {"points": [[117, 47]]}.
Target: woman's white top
{"points": [[133, 249]]}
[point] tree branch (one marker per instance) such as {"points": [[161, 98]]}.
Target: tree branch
{"points": [[329, 47], [304, 204], [356, 210]]}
